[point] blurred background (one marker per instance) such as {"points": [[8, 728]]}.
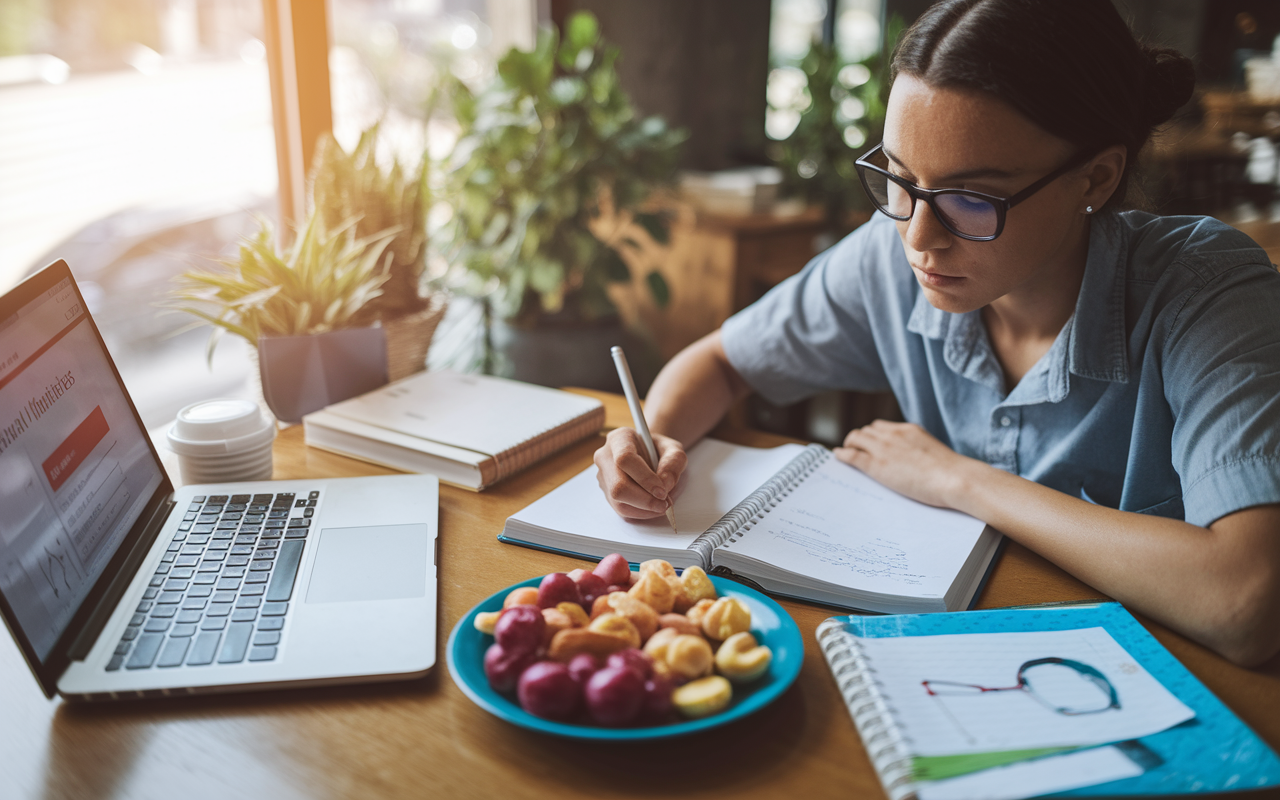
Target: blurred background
{"points": [[139, 139]]}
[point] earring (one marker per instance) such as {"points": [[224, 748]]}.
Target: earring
{"points": [[1088, 209]]}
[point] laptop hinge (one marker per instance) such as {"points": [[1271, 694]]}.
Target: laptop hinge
{"points": [[93, 626]]}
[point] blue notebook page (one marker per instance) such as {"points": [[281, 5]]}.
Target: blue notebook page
{"points": [[1214, 752]]}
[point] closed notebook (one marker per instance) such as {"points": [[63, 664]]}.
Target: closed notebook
{"points": [[945, 702], [793, 520], [469, 430]]}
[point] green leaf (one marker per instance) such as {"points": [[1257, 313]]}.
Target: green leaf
{"points": [[656, 225], [658, 288]]}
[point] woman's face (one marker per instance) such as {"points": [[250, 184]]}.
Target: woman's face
{"points": [[944, 138]]}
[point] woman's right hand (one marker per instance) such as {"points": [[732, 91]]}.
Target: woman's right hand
{"points": [[632, 489]]}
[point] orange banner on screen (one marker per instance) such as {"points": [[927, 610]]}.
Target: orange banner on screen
{"points": [[73, 450]]}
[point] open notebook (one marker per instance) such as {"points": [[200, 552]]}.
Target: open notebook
{"points": [[793, 519]]}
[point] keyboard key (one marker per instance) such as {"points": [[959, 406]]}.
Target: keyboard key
{"points": [[274, 523], [173, 547], [163, 569], [210, 567], [300, 503], [257, 577], [131, 633], [253, 590], [219, 545], [278, 513], [249, 602], [122, 648], [169, 597], [225, 525], [137, 619], [213, 623], [144, 652], [264, 638], [189, 615], [193, 550], [238, 561], [299, 522], [313, 494], [224, 597], [261, 499], [154, 626], [262, 654], [189, 517], [185, 629], [227, 585], [233, 572], [200, 591], [260, 565], [174, 651], [203, 649], [271, 624], [157, 581], [188, 560], [241, 498], [169, 557], [144, 606], [310, 512], [274, 609], [244, 615], [195, 539], [214, 556], [114, 663], [163, 612], [182, 572], [296, 533], [218, 610], [246, 538], [150, 594], [181, 535], [235, 643], [281, 587], [242, 550], [194, 604], [202, 528], [205, 579], [175, 585], [271, 535]]}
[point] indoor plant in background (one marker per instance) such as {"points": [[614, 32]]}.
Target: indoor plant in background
{"points": [[301, 306], [352, 186], [547, 150]]}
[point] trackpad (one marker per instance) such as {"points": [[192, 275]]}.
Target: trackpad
{"points": [[384, 562]]}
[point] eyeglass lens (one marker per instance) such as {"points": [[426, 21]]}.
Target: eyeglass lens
{"points": [[964, 214], [1066, 689]]}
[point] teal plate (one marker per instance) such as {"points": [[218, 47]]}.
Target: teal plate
{"points": [[770, 624]]}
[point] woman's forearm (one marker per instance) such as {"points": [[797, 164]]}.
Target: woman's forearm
{"points": [[693, 391], [1219, 585]]}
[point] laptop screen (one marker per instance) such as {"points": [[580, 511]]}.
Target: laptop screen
{"points": [[76, 468]]}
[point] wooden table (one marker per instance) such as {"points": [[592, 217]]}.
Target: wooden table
{"points": [[426, 739]]}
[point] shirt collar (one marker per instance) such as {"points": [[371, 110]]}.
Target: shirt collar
{"points": [[1096, 344]]}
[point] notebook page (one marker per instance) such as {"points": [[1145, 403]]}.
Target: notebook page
{"points": [[841, 527], [718, 477], [1062, 708], [1071, 770]]}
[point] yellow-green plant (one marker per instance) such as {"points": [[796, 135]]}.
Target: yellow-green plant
{"points": [[352, 186], [322, 282]]}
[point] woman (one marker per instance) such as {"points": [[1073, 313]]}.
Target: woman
{"points": [[1101, 386]]}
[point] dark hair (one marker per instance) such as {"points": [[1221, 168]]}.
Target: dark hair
{"points": [[1072, 67]]}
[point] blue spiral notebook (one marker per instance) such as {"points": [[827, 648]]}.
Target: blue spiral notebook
{"points": [[1213, 751]]}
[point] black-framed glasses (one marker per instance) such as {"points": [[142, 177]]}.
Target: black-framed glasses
{"points": [[1062, 685], [976, 216]]}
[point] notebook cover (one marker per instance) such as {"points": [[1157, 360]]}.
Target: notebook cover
{"points": [[1214, 752]]}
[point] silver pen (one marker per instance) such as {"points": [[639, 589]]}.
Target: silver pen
{"points": [[637, 416]]}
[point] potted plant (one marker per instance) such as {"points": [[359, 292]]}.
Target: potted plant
{"points": [[546, 150], [352, 186], [302, 307]]}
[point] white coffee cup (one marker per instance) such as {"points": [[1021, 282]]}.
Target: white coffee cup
{"points": [[221, 441]]}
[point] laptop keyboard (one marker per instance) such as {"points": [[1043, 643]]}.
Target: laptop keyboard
{"points": [[222, 592]]}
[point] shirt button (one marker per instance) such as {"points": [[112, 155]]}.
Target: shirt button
{"points": [[1005, 422]]}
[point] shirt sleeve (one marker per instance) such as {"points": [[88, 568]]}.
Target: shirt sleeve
{"points": [[1222, 382], [812, 331]]}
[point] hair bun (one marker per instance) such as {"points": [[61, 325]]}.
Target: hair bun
{"points": [[1171, 78]]}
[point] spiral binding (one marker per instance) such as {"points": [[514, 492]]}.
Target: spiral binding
{"points": [[881, 736], [743, 517]]}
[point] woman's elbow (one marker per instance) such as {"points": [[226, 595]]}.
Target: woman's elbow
{"points": [[1248, 631]]}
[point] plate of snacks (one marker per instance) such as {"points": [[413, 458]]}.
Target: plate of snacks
{"points": [[615, 654]]}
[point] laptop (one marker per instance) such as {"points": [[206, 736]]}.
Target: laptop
{"points": [[116, 586]]}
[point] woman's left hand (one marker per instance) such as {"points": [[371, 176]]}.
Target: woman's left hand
{"points": [[907, 459]]}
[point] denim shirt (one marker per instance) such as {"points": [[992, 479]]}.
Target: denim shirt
{"points": [[1160, 395]]}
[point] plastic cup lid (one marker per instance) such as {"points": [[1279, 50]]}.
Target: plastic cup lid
{"points": [[219, 426]]}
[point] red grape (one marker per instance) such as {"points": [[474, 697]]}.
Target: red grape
{"points": [[558, 588], [546, 689], [503, 667], [583, 666], [520, 629], [614, 696], [614, 569], [632, 659], [591, 586], [657, 700]]}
